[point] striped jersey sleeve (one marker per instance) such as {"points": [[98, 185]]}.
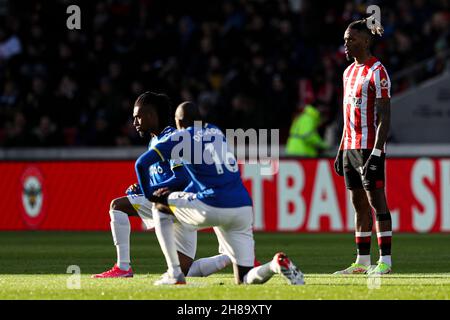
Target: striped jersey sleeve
{"points": [[381, 83]]}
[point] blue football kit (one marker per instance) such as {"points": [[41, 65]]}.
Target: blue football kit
{"points": [[165, 173], [203, 151]]}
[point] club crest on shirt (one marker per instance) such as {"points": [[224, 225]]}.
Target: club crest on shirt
{"points": [[156, 170], [384, 83]]}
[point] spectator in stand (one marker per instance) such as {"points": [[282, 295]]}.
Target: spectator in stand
{"points": [[45, 134], [10, 45]]}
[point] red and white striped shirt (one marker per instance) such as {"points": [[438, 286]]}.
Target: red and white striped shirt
{"points": [[362, 84]]}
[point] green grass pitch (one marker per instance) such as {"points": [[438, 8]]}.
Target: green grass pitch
{"points": [[33, 265]]}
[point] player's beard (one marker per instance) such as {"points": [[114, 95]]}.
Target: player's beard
{"points": [[145, 134], [348, 57]]}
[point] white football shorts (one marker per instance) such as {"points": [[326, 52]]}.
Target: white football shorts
{"points": [[233, 226], [185, 238]]}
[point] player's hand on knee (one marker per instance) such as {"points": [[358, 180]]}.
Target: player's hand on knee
{"points": [[162, 192], [135, 188], [339, 163], [159, 197]]}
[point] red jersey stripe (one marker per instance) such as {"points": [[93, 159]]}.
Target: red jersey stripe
{"points": [[362, 85]]}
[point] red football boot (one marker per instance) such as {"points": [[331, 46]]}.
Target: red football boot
{"points": [[115, 272]]}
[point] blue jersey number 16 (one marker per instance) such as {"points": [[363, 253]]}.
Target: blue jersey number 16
{"points": [[230, 161]]}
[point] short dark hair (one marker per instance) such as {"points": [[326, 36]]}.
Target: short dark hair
{"points": [[160, 103]]}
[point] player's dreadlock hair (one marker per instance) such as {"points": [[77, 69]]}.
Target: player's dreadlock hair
{"points": [[161, 104], [369, 25]]}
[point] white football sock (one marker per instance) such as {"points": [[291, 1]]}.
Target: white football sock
{"points": [[166, 238], [120, 229], [206, 266], [259, 274], [363, 259], [386, 259]]}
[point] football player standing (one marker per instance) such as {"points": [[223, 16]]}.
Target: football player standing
{"points": [[361, 155]]}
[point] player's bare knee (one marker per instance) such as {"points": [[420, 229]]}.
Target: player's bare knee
{"points": [[112, 205], [123, 205], [360, 205], [359, 199], [115, 205], [360, 210], [377, 205]]}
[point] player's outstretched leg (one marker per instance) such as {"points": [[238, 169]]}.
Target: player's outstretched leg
{"points": [[280, 264], [206, 266]]}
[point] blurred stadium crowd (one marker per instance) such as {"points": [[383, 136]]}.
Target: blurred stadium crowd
{"points": [[247, 63]]}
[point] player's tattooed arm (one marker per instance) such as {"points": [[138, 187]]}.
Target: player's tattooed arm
{"points": [[383, 110]]}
